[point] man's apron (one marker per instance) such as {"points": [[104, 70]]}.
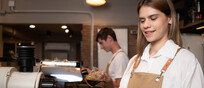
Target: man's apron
{"points": [[147, 80], [108, 65], [111, 85]]}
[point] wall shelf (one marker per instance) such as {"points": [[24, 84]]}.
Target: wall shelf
{"points": [[191, 28]]}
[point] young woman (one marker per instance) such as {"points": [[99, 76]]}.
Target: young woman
{"points": [[161, 62]]}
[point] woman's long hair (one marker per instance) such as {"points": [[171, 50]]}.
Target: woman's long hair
{"points": [[167, 7]]}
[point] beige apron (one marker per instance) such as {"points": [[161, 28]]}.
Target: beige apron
{"points": [[147, 80], [108, 65], [110, 85]]}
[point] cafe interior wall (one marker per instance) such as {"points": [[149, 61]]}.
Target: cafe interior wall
{"points": [[118, 12], [195, 43], [1, 43], [115, 12]]}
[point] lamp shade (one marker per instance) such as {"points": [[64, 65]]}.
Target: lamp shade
{"points": [[96, 2]]}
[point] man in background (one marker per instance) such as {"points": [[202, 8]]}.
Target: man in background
{"points": [[117, 64]]}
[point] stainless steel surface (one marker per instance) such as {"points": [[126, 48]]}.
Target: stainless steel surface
{"points": [[63, 73]]}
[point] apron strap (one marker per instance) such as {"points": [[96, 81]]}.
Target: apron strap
{"points": [[108, 65], [135, 65], [164, 67], [168, 63]]}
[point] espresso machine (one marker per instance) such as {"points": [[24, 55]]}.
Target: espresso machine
{"points": [[41, 74]]}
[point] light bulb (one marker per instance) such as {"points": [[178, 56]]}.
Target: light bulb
{"points": [[31, 26], [66, 30], [64, 27]]}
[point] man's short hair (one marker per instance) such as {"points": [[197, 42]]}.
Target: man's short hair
{"points": [[104, 32]]}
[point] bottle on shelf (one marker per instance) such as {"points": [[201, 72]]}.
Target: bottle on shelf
{"points": [[198, 14]]}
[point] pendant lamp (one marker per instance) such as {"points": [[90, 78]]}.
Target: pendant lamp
{"points": [[95, 2]]}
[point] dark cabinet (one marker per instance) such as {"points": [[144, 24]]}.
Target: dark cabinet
{"points": [[191, 15]]}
